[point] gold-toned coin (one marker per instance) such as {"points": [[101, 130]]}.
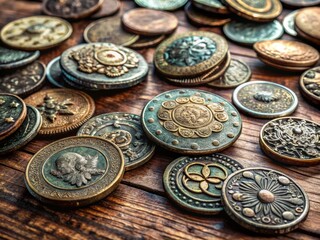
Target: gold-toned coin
{"points": [[310, 85], [36, 32]]}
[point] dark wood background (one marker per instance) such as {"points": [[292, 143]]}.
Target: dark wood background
{"points": [[139, 208]]}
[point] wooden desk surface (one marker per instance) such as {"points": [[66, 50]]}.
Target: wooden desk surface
{"points": [[139, 208]]}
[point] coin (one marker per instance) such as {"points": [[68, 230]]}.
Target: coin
{"points": [[149, 22], [13, 111], [258, 11], [301, 3], [71, 9], [54, 73], [24, 134], [25, 80], [215, 6], [237, 73], [62, 110], [194, 183], [189, 121], [36, 32], [283, 67], [161, 4], [264, 200], [124, 130], [290, 140], [249, 33], [109, 30], [10, 58], [147, 42], [108, 8], [310, 85], [71, 83], [75, 171], [288, 23], [263, 99]]}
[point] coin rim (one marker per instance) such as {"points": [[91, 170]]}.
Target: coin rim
{"points": [[285, 23], [172, 8], [305, 92], [20, 63]]}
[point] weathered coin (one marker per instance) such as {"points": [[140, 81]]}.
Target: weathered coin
{"points": [[282, 67], [301, 3], [36, 32], [147, 42], [13, 111], [54, 73], [109, 30], [71, 9], [149, 22], [237, 73], [23, 81], [75, 171], [264, 200], [310, 85], [288, 23], [194, 183], [167, 5], [124, 130], [62, 110], [24, 134], [71, 82], [215, 6], [249, 33], [291, 140], [264, 99], [10, 58], [191, 121], [108, 8]]}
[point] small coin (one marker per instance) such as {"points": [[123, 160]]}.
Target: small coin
{"points": [[194, 183], [288, 23], [62, 110], [310, 85], [36, 32], [249, 33], [25, 80], [13, 111], [237, 73], [124, 130], [161, 4], [301, 3], [291, 141], [147, 42], [264, 200], [24, 134], [215, 6], [263, 99], [75, 171], [149, 22], [108, 8], [191, 121], [54, 73]]}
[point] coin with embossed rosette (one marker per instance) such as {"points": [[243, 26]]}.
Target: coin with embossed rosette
{"points": [[264, 200], [292, 141], [75, 171], [195, 183], [190, 121]]}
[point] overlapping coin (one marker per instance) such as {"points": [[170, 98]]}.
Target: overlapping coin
{"points": [[310, 85], [161, 4]]}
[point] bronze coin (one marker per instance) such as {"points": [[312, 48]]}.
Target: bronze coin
{"points": [[149, 22], [301, 3], [108, 8], [214, 6], [147, 42], [282, 67], [310, 85]]}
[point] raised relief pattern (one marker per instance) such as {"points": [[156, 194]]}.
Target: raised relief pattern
{"points": [[265, 96], [312, 81]]}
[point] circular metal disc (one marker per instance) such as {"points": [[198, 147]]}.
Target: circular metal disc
{"points": [[288, 23], [307, 23], [301, 3], [310, 85], [215, 6], [161, 4], [54, 73]]}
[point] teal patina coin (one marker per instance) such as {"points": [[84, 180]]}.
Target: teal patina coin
{"points": [[75, 171], [125, 130], [195, 183], [54, 73], [190, 121], [249, 33], [25, 133], [215, 6], [166, 5], [288, 23]]}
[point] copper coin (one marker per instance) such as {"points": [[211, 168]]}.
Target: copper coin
{"points": [[214, 6], [149, 22], [283, 67], [301, 3], [108, 8], [310, 85], [147, 42]]}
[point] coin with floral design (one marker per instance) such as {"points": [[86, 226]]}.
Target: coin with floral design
{"points": [[292, 141], [310, 85], [264, 200], [166, 5], [195, 183], [191, 121]]}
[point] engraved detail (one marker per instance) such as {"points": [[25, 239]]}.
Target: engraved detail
{"points": [[265, 96], [9, 120], [311, 80], [2, 101], [120, 137], [14, 104]]}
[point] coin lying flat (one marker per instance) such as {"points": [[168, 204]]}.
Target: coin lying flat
{"points": [[108, 8], [36, 32], [75, 171], [215, 6], [288, 23], [54, 73], [191, 121], [161, 4], [194, 183], [310, 85], [249, 33], [264, 200], [301, 3], [147, 42]]}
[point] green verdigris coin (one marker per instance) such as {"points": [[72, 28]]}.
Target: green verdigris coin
{"points": [[288, 23], [25, 133], [215, 6], [166, 5], [190, 121], [124, 130], [248, 33], [195, 183]]}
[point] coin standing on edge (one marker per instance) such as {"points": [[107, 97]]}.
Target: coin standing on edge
{"points": [[164, 5], [310, 85]]}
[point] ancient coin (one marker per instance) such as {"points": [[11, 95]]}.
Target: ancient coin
{"points": [[149, 22], [54, 73], [191, 121], [301, 3], [215, 6], [13, 111], [71, 82], [62, 110], [249, 33], [109, 30], [71, 9], [167, 5], [237, 73], [282, 67], [108, 8], [10, 58], [147, 42], [75, 171], [264, 200], [194, 183], [124, 130], [264, 99], [310, 85], [24, 134], [23, 81], [288, 23]]}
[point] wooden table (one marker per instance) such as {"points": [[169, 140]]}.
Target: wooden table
{"points": [[139, 208]]}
